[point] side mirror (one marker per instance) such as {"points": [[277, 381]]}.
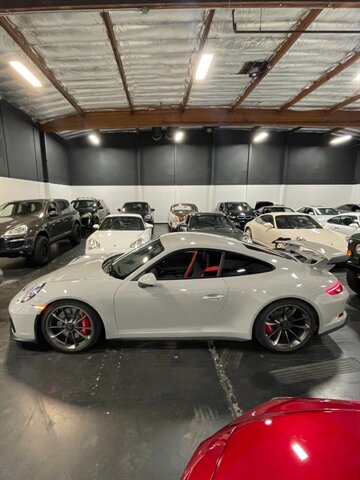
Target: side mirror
{"points": [[182, 228], [268, 225], [96, 226], [147, 280], [354, 225], [153, 209], [52, 214], [149, 225]]}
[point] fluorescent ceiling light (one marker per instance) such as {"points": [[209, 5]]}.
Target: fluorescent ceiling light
{"points": [[357, 78], [94, 139], [179, 136], [25, 73], [203, 66], [341, 139], [260, 137]]}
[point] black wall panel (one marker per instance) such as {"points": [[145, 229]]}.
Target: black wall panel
{"points": [[4, 169], [193, 159], [57, 160], [231, 156], [267, 161], [157, 161]]}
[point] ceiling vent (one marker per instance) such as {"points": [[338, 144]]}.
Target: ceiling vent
{"points": [[254, 68]]}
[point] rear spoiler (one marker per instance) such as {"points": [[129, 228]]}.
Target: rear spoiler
{"points": [[315, 254]]}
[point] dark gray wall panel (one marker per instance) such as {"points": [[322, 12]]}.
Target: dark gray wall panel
{"points": [[157, 161], [4, 169], [193, 159], [267, 161], [57, 160], [230, 157]]}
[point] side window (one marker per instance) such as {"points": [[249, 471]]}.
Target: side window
{"points": [[347, 220], [62, 205], [237, 265], [335, 220], [52, 208], [302, 210], [260, 219], [188, 264], [268, 219]]}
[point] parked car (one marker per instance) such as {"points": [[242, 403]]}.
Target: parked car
{"points": [[353, 264], [262, 203], [92, 210], [213, 222], [321, 214], [238, 212], [29, 227], [182, 285], [178, 213], [349, 207], [347, 224], [267, 228], [281, 436], [118, 233], [273, 208], [141, 208]]}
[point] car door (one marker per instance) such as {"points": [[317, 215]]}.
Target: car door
{"points": [[187, 296], [54, 221], [65, 216]]}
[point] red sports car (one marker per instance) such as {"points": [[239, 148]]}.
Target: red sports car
{"points": [[284, 439]]}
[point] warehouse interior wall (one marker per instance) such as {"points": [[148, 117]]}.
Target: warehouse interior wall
{"points": [[211, 165]]}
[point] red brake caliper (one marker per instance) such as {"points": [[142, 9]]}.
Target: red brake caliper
{"points": [[85, 322], [268, 328]]}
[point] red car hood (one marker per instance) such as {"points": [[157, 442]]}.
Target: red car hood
{"points": [[285, 439]]}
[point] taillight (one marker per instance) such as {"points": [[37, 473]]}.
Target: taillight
{"points": [[335, 289]]}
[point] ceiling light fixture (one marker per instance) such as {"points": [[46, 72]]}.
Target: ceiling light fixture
{"points": [[25, 73], [357, 78], [341, 139], [94, 139], [179, 136], [260, 137], [203, 66]]}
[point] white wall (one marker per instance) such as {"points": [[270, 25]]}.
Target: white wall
{"points": [[17, 189]]}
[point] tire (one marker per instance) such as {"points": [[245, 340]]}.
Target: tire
{"points": [[353, 281], [248, 233], [41, 253], [75, 237], [295, 327], [170, 228], [70, 317]]}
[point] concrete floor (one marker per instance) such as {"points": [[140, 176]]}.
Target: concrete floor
{"points": [[137, 410]]}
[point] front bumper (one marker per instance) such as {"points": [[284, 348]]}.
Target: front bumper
{"points": [[22, 320], [15, 247]]}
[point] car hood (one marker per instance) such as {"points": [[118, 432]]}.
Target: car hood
{"points": [[110, 239], [11, 222], [317, 235]]}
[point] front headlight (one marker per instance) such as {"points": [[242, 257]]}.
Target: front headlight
{"points": [[93, 243], [31, 293], [357, 248], [19, 230], [86, 215], [137, 243], [176, 219]]}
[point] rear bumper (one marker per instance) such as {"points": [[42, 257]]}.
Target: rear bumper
{"points": [[336, 323]]}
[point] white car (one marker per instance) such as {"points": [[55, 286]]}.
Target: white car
{"points": [[183, 285], [267, 228], [345, 223], [118, 233], [321, 214]]}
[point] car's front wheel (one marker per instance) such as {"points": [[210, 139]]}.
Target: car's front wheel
{"points": [[70, 326], [285, 325], [41, 253], [353, 280]]}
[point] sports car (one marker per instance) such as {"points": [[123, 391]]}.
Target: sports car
{"points": [[118, 233], [182, 285], [266, 229], [345, 223], [285, 438]]}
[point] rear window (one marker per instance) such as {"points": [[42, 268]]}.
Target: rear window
{"points": [[236, 265]]}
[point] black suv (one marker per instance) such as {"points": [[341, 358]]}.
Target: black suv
{"points": [[28, 227], [240, 213], [353, 264], [92, 211], [142, 208]]}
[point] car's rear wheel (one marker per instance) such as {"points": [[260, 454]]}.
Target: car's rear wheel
{"points": [[75, 237], [353, 281], [285, 325], [41, 253], [70, 326]]}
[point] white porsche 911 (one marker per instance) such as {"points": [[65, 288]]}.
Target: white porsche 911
{"points": [[118, 233], [183, 285]]}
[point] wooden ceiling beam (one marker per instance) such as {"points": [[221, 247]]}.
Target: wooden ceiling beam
{"points": [[114, 45], [297, 31], [203, 117], [196, 57], [37, 59], [325, 77], [15, 6], [344, 103]]}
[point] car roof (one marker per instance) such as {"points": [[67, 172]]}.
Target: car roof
{"points": [[196, 239], [197, 214], [136, 215], [276, 214]]}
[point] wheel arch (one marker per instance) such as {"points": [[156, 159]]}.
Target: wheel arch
{"points": [[42, 233]]}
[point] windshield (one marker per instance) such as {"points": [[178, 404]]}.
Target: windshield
{"points": [[327, 211], [124, 265], [184, 207], [277, 209], [84, 204], [295, 221], [122, 223], [238, 207], [209, 221], [21, 209], [135, 206]]}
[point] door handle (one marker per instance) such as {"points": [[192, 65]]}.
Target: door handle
{"points": [[212, 297]]}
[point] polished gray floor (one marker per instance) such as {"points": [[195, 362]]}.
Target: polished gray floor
{"points": [[136, 410]]}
